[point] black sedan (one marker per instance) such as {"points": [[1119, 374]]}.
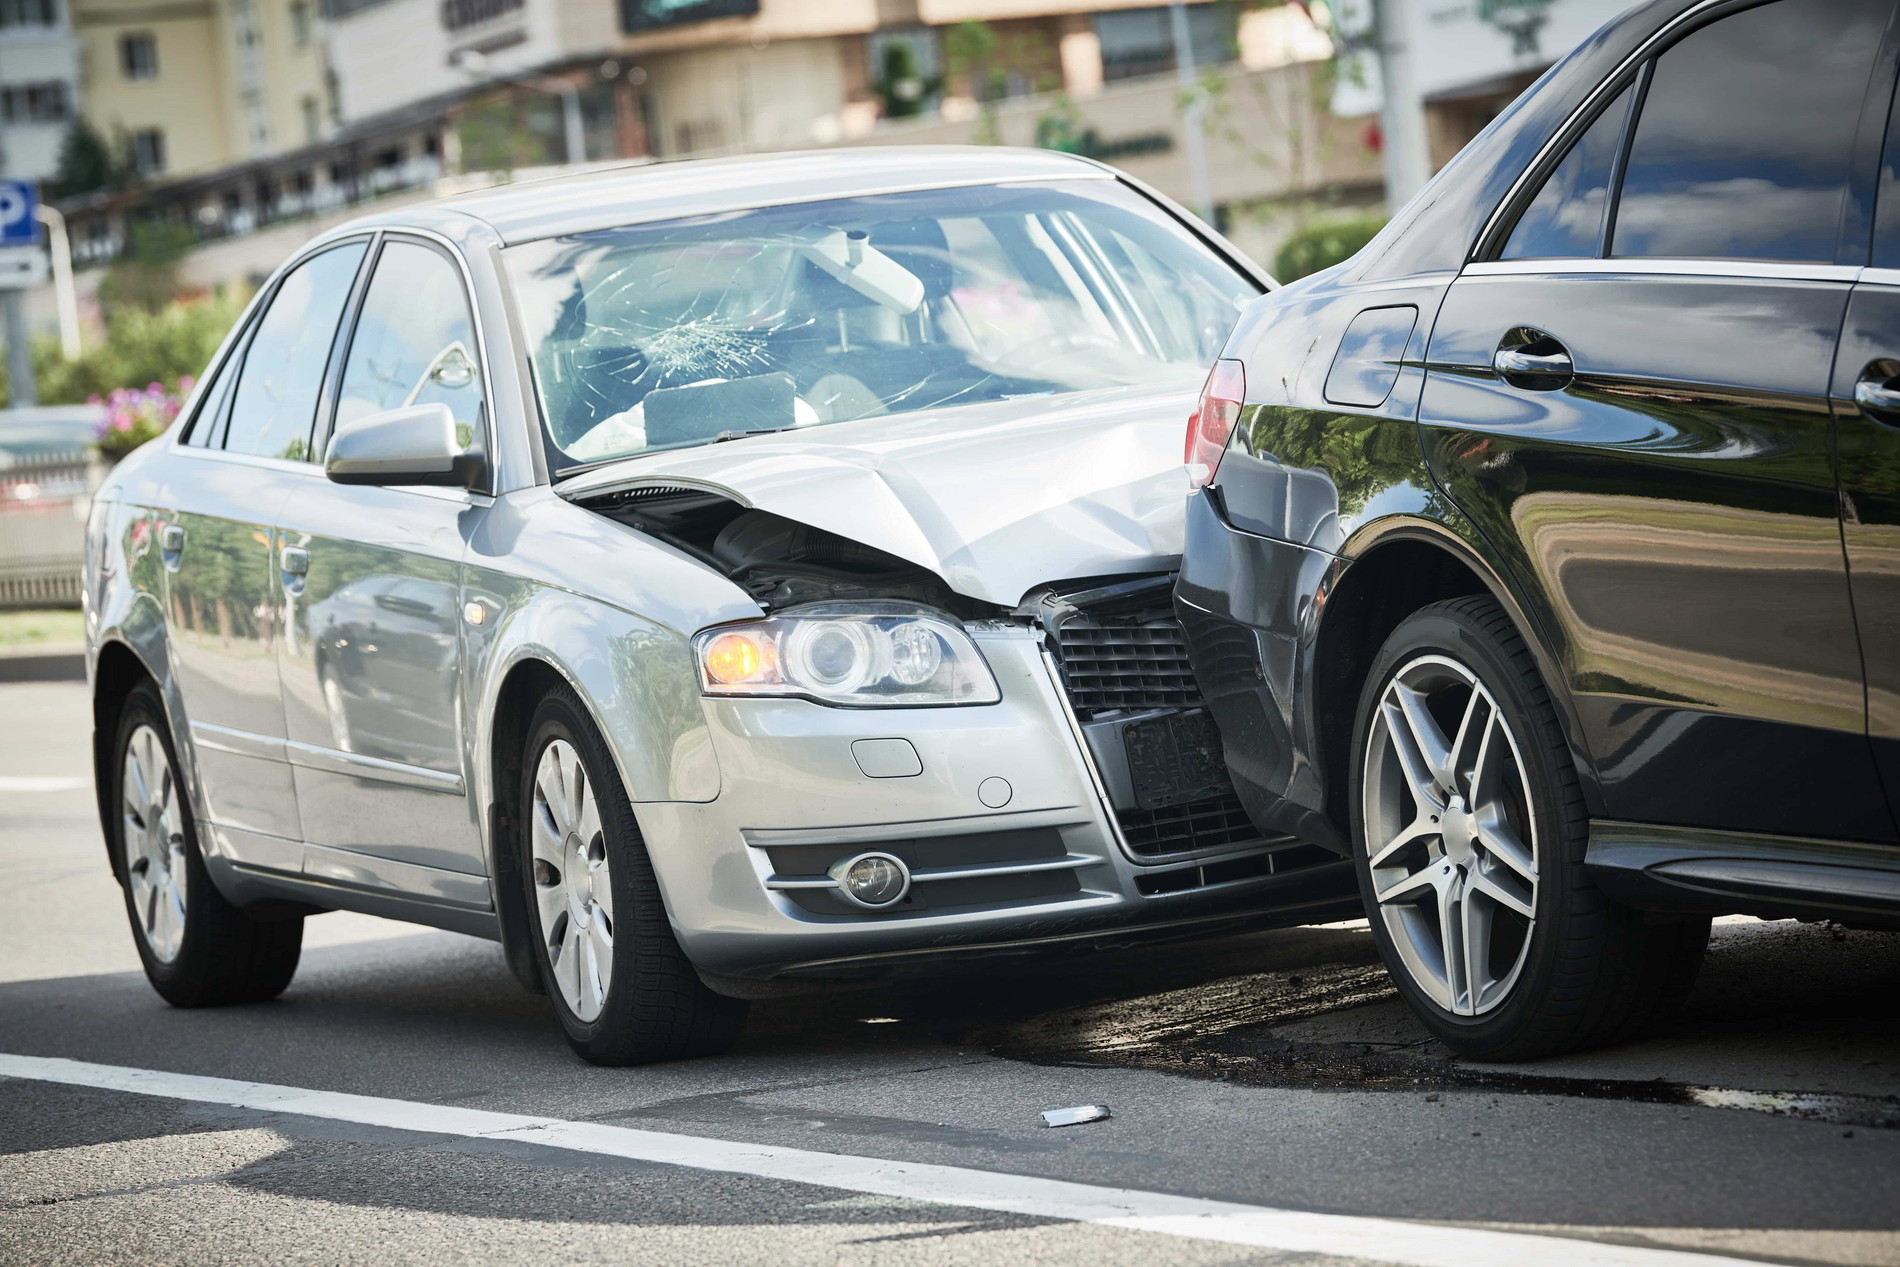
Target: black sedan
{"points": [[1547, 562]]}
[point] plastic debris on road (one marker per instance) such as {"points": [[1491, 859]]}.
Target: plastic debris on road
{"points": [[1072, 1117]]}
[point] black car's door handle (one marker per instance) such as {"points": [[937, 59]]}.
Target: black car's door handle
{"points": [[1533, 360], [1878, 392]]}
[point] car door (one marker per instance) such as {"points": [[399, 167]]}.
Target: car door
{"points": [[1630, 400], [371, 659], [248, 448], [1867, 412]]}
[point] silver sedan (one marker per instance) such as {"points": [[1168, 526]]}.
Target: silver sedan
{"points": [[700, 578]]}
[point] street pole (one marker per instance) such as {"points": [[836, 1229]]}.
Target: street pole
{"points": [[571, 133], [1406, 151], [19, 350], [1195, 116], [60, 247]]}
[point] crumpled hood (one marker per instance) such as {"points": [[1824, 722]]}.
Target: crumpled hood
{"points": [[996, 498]]}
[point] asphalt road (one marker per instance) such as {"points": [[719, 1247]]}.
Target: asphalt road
{"points": [[1272, 1070]]}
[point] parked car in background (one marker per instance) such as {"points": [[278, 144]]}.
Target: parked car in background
{"points": [[1548, 563], [691, 577], [46, 473]]}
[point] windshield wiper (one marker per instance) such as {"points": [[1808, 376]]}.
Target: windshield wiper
{"points": [[724, 436]]}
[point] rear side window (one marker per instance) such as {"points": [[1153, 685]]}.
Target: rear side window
{"points": [[276, 398], [1744, 146], [1565, 220]]}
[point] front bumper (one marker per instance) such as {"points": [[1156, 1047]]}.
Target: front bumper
{"points": [[1007, 827]]}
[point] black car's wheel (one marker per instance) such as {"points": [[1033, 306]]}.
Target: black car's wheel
{"points": [[624, 990], [198, 949], [1469, 830]]}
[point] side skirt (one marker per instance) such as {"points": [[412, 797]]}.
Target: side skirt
{"points": [[1690, 870]]}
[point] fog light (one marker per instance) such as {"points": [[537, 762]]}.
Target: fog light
{"points": [[872, 880]]}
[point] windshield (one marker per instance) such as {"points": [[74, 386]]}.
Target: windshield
{"points": [[682, 333]]}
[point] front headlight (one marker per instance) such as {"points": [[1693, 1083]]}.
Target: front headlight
{"points": [[865, 655]]}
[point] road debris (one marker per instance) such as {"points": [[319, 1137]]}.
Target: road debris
{"points": [[1075, 1116]]}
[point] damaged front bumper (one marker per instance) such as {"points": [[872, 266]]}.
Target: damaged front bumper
{"points": [[1080, 804]]}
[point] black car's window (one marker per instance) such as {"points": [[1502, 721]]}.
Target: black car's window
{"points": [[1887, 218], [1565, 220], [1745, 143], [277, 389], [414, 343]]}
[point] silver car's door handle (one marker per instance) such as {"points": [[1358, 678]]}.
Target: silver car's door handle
{"points": [[295, 560]]}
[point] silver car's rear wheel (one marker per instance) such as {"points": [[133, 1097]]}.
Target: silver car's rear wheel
{"points": [[152, 834], [1450, 834], [573, 881], [198, 949]]}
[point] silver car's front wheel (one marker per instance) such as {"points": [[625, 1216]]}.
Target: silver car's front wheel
{"points": [[625, 992], [1450, 833], [573, 880], [152, 834]]}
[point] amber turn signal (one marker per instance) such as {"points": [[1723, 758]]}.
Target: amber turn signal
{"points": [[734, 657]]}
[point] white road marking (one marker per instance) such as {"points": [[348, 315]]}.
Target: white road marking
{"points": [[1262, 1227], [23, 783]]}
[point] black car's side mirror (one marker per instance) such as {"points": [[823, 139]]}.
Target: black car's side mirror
{"points": [[413, 444]]}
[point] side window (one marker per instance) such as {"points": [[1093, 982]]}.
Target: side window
{"points": [[1745, 143], [1887, 207], [1565, 220], [276, 398], [210, 415], [414, 341]]}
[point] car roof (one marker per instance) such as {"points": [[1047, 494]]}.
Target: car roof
{"points": [[649, 192]]}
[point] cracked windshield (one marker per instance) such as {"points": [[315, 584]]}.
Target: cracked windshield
{"points": [[689, 332]]}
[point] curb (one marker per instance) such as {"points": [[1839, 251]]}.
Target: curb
{"points": [[50, 662]]}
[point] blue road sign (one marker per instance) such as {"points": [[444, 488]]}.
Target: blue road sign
{"points": [[18, 225]]}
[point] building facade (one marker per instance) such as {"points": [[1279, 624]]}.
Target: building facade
{"points": [[39, 85]]}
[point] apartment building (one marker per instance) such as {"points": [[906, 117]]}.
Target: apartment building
{"points": [[247, 116], [190, 86], [39, 85]]}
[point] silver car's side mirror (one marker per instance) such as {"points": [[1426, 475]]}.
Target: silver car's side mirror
{"points": [[414, 444]]}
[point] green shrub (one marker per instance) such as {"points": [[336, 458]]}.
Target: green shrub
{"points": [[1323, 245], [141, 347]]}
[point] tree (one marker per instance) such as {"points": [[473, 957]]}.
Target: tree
{"points": [[1323, 245], [145, 277], [901, 85], [87, 164]]}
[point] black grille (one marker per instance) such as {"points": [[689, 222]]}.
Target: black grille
{"points": [[1110, 664], [1204, 824]]}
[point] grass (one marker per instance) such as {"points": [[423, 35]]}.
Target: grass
{"points": [[34, 628]]}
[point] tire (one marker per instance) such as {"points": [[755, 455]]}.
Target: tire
{"points": [[198, 949], [649, 1004], [1469, 829]]}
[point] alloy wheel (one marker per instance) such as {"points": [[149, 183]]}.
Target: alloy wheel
{"points": [[573, 885], [1450, 835], [152, 833]]}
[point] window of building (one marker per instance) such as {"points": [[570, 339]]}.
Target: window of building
{"points": [[1565, 220], [312, 120], [276, 399], [1139, 42], [28, 13], [148, 151], [1744, 149], [35, 103], [300, 23], [138, 55]]}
